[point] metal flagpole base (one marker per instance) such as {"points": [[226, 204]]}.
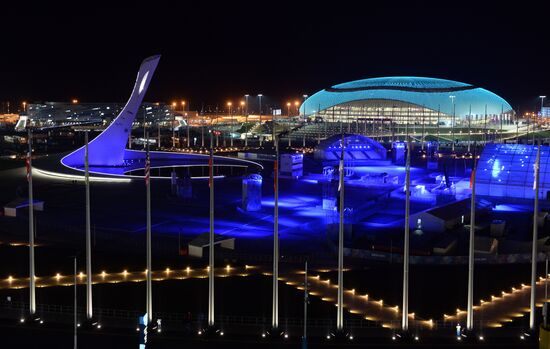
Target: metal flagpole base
{"points": [[529, 336], [405, 337], [31, 320], [275, 335], [339, 336], [471, 336], [90, 324], [210, 332]]}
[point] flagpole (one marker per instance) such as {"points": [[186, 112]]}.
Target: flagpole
{"points": [[535, 237], [469, 128], [405, 314], [89, 311], [275, 310], [32, 285], [75, 312], [149, 295], [211, 238], [340, 307], [470, 311], [306, 301]]}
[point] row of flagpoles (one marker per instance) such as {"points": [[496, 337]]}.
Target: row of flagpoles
{"points": [[275, 313]]}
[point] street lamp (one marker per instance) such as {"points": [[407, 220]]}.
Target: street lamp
{"points": [[260, 97], [24, 106], [452, 97], [246, 120], [75, 101], [174, 104], [288, 104], [304, 134], [186, 122], [229, 104]]}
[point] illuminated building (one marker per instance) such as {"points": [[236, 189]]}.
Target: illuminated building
{"points": [[408, 100]]}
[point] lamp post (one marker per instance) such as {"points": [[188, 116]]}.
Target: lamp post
{"points": [[242, 103], [246, 120], [174, 124], [260, 97], [541, 112], [229, 104], [186, 121], [452, 97], [24, 106], [304, 120]]}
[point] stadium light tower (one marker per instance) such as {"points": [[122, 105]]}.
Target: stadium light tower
{"points": [[541, 103]]}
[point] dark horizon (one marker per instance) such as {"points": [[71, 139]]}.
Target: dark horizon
{"points": [[281, 50]]}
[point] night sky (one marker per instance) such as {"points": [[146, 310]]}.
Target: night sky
{"points": [[214, 52]]}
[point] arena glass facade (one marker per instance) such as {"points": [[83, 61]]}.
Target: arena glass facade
{"points": [[408, 100], [508, 170]]}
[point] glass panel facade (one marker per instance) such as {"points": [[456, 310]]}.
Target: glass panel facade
{"points": [[508, 170]]}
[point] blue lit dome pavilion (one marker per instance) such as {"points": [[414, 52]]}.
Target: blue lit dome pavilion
{"points": [[408, 100]]}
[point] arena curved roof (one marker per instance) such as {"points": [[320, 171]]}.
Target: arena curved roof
{"points": [[431, 93]]}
